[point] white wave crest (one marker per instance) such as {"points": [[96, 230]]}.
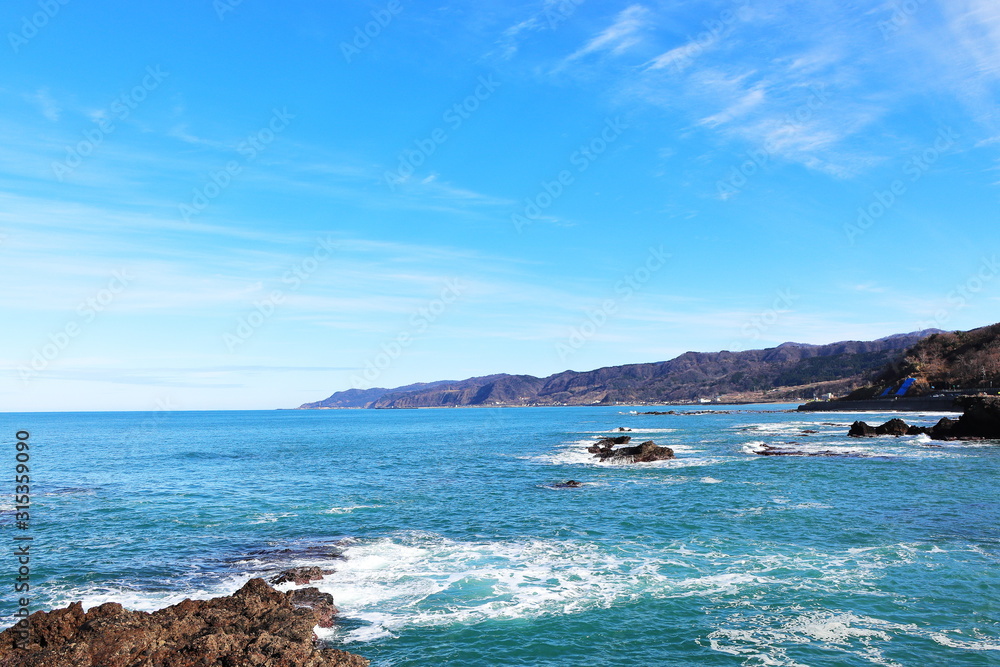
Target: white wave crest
{"points": [[348, 509]]}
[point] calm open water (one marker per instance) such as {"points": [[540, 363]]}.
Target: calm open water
{"points": [[459, 552]]}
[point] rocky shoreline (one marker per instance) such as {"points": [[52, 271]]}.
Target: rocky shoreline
{"points": [[979, 421], [255, 626]]}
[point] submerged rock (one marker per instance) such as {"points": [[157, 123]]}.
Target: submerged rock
{"points": [[770, 450], [691, 413], [301, 575], [256, 625], [324, 550], [569, 484]]}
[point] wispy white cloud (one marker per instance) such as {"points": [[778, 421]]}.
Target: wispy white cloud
{"points": [[510, 39], [46, 104], [806, 102], [748, 101], [617, 38], [551, 15], [680, 57], [433, 193], [183, 133], [976, 27]]}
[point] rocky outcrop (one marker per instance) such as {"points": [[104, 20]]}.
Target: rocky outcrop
{"points": [[860, 429], [646, 452], [771, 450], [945, 429], [300, 575], [325, 550], [255, 626], [320, 603], [980, 421], [894, 427], [606, 444]]}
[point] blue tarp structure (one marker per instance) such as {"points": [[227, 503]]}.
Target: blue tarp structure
{"points": [[885, 393], [906, 386]]}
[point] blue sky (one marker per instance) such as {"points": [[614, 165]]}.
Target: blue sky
{"points": [[242, 204]]}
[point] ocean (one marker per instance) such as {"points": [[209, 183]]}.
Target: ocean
{"points": [[458, 547]]}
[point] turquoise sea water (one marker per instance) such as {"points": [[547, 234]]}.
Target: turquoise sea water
{"points": [[459, 551]]}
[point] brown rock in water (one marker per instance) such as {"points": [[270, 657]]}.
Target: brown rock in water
{"points": [[860, 429], [300, 575], [944, 429], [255, 626], [896, 427], [647, 452], [771, 450], [980, 420], [605, 444], [320, 603]]}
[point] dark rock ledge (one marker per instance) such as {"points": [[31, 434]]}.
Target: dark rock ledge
{"points": [[255, 626], [604, 450], [771, 450], [301, 575], [980, 421], [569, 484]]}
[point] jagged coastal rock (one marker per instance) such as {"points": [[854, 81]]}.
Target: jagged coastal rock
{"points": [[255, 626], [300, 575], [770, 450], [647, 452], [860, 429], [980, 421], [608, 443], [895, 427]]}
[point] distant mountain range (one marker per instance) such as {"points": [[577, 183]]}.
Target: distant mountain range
{"points": [[788, 372]]}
